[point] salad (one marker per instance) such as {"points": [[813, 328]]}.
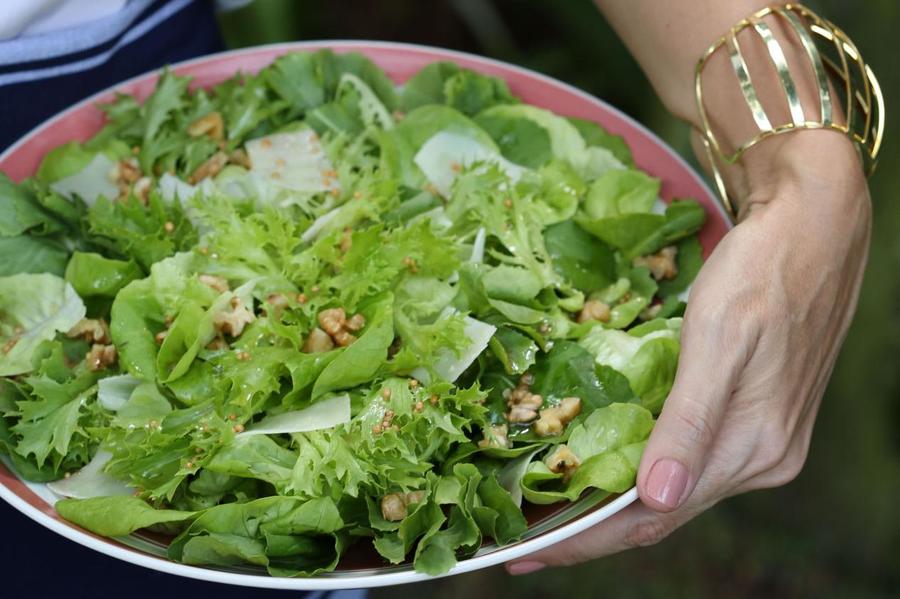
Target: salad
{"points": [[305, 309]]}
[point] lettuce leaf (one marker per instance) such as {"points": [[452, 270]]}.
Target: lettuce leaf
{"points": [[30, 254], [116, 516], [647, 356], [20, 211], [609, 444], [93, 275], [34, 307], [446, 83]]}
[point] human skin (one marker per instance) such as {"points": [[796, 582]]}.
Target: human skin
{"points": [[770, 308]]}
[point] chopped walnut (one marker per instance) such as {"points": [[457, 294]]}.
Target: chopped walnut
{"points": [[317, 342], [217, 343], [277, 302], [344, 338], [214, 282], [240, 158], [394, 506], [141, 190], [334, 322], [210, 125], [522, 402], [210, 168], [232, 322], [101, 356], [356, 322], [562, 461], [91, 330], [594, 310], [650, 312], [495, 436], [346, 240], [125, 171], [554, 420], [662, 264]]}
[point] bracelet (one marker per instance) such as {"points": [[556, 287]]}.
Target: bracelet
{"points": [[840, 74]]}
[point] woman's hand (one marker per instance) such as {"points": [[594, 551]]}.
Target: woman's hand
{"points": [[766, 317]]}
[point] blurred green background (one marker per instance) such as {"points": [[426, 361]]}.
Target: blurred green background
{"points": [[835, 531]]}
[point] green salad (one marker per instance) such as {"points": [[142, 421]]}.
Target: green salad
{"points": [[306, 309]]}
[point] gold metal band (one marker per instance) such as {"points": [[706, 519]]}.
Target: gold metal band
{"points": [[840, 73]]}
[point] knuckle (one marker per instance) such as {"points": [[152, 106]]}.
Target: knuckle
{"points": [[772, 448], [779, 461], [647, 532], [790, 467], [695, 425]]}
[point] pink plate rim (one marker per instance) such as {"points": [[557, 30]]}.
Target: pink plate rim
{"points": [[650, 152]]}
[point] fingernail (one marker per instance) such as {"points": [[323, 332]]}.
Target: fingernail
{"points": [[519, 568], [666, 482]]}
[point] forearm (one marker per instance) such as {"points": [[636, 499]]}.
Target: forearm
{"points": [[668, 38]]}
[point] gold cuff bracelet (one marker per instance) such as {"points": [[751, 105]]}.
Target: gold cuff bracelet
{"points": [[840, 74]]}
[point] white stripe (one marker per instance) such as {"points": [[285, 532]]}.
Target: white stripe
{"points": [[88, 63], [68, 41]]}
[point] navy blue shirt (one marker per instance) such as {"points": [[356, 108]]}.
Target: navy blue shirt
{"points": [[149, 35]]}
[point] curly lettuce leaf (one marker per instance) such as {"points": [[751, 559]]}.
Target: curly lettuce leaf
{"points": [[146, 234], [20, 211]]}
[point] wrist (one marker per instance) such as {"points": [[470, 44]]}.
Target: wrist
{"points": [[805, 166]]}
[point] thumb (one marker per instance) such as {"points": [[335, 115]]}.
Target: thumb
{"points": [[684, 433]]}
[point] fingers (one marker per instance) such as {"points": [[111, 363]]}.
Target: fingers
{"points": [[635, 526], [686, 429]]}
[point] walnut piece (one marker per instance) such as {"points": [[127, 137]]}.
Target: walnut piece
{"points": [[594, 310], [210, 125], [91, 330], [394, 505], [141, 190], [101, 356], [356, 322], [126, 173], [344, 338], [213, 165], [495, 436], [317, 342], [523, 404], [277, 302], [346, 240], [334, 322], [215, 282], [240, 158], [650, 312], [662, 264], [562, 461], [232, 322], [553, 420]]}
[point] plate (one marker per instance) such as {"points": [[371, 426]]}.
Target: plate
{"points": [[361, 567]]}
